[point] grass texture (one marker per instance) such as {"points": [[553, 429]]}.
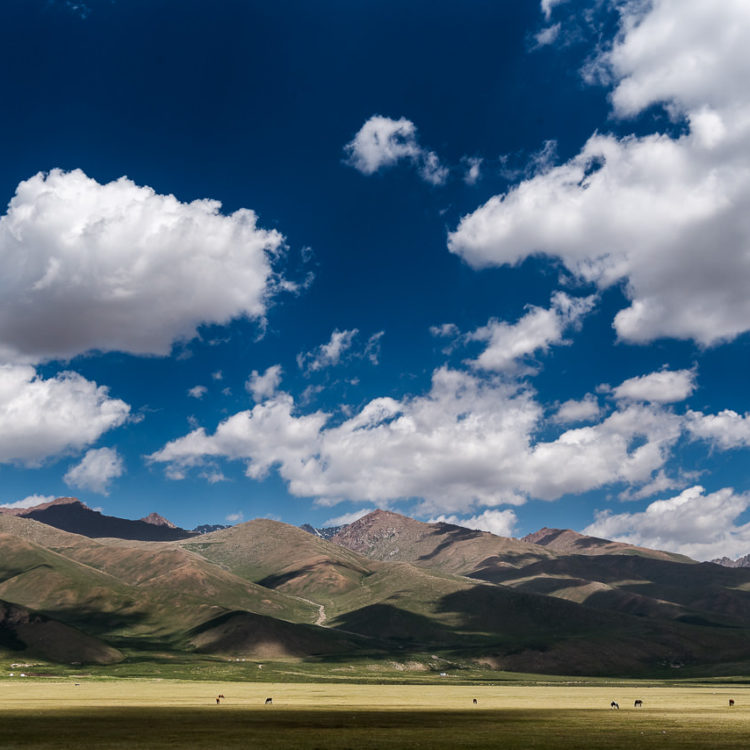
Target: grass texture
{"points": [[46, 714]]}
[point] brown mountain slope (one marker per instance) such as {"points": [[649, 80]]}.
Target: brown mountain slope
{"points": [[598, 573], [285, 558], [569, 542], [383, 535], [162, 581]]}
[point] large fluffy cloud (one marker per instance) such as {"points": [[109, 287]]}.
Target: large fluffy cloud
{"points": [[667, 215], [119, 267], [383, 142], [42, 418], [468, 442], [694, 523]]}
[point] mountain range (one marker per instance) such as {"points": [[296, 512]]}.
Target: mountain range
{"points": [[78, 586]]}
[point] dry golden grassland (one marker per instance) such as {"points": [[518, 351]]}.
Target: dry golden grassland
{"points": [[168, 714]]}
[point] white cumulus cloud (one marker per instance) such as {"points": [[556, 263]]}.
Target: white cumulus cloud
{"points": [[663, 387], [43, 418], [702, 526], [382, 142], [509, 344], [469, 442], [724, 430], [96, 470], [263, 386], [667, 215], [118, 267], [585, 410]]}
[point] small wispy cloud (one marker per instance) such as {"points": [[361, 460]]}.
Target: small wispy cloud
{"points": [[29, 502], [347, 518], [338, 348], [383, 142]]}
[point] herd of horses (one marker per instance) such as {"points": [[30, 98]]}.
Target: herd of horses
{"points": [[638, 704], [614, 705]]}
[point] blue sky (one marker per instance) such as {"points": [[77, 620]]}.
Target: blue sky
{"points": [[484, 262]]}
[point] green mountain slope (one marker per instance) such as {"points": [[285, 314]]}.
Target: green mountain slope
{"points": [[266, 590]]}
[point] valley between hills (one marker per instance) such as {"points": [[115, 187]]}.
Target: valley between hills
{"points": [[80, 588]]}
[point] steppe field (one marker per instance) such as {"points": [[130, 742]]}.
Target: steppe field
{"points": [[58, 713]]}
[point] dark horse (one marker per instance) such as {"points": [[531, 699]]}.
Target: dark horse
{"points": [[638, 704], [269, 700], [614, 705]]}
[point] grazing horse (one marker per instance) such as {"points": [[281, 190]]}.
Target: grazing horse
{"points": [[269, 700], [638, 704], [731, 702], [614, 705], [218, 700], [474, 701]]}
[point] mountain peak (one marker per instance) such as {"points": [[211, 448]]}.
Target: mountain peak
{"points": [[156, 520], [69, 514], [546, 535]]}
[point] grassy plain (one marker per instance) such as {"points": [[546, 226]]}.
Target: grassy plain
{"points": [[57, 713]]}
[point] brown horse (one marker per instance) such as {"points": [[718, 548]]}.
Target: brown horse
{"points": [[638, 704]]}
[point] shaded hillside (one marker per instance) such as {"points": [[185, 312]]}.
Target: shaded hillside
{"points": [[242, 634], [145, 593], [649, 587], [569, 542], [382, 535], [25, 633], [69, 514]]}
